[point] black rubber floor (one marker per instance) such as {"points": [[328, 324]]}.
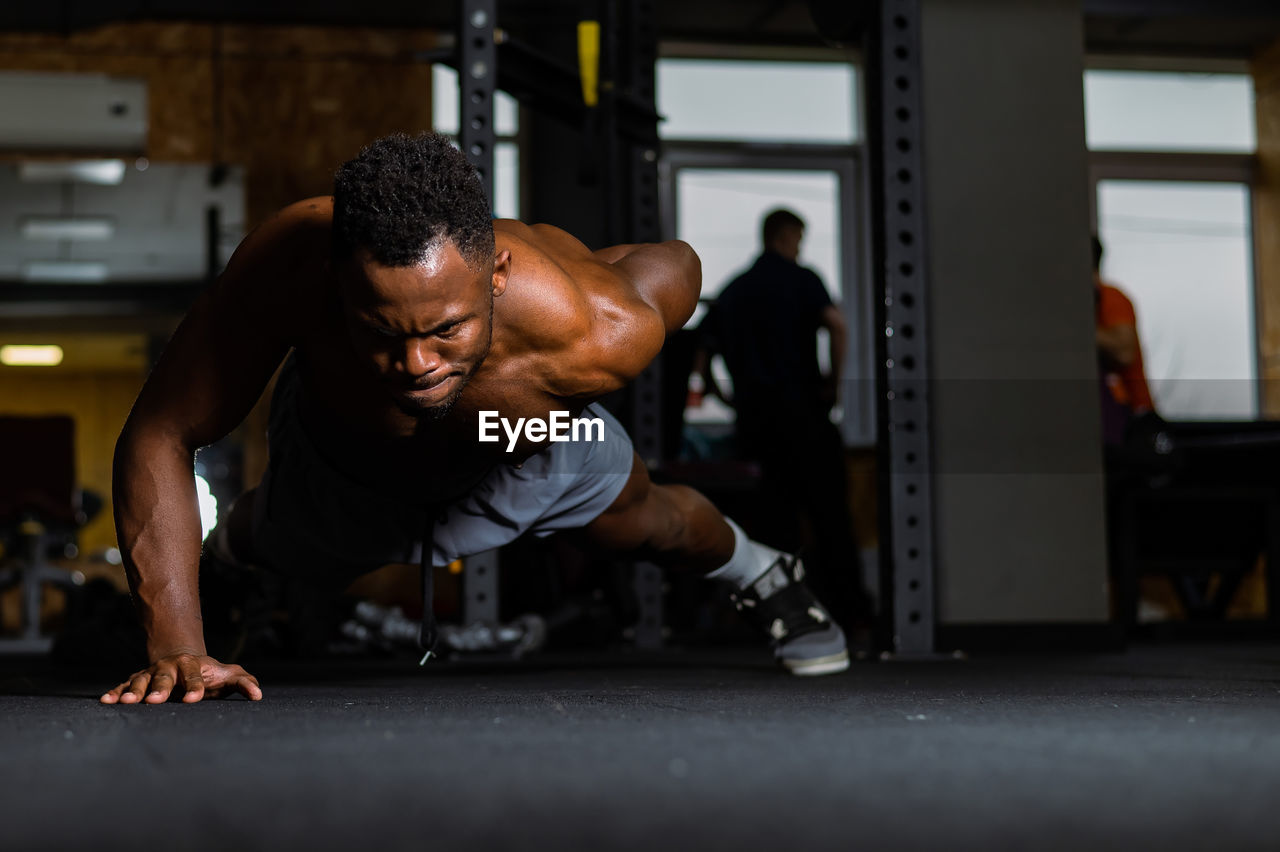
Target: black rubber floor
{"points": [[1171, 747]]}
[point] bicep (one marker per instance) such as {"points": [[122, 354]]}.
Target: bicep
{"points": [[210, 374]]}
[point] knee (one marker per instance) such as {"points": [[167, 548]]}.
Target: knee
{"points": [[667, 525]]}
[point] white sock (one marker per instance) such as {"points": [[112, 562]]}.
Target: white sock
{"points": [[749, 561]]}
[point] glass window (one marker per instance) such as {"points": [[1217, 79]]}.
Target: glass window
{"points": [[1182, 253], [506, 180], [1163, 111], [444, 105], [720, 211], [759, 101], [506, 154]]}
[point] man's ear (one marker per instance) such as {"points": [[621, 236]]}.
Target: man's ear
{"points": [[501, 269]]}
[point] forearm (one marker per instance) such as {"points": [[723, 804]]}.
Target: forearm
{"points": [[837, 342], [702, 368], [837, 336], [158, 527]]}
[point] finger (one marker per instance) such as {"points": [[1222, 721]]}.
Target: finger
{"points": [[111, 696], [228, 680], [192, 680], [247, 685], [137, 688], [161, 686]]}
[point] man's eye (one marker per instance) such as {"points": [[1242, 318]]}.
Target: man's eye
{"points": [[450, 331], [383, 332]]}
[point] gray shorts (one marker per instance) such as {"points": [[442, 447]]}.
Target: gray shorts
{"points": [[312, 520]]}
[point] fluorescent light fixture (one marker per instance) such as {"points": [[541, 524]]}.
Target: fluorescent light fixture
{"points": [[208, 507], [64, 272], [105, 172], [53, 228], [30, 356]]}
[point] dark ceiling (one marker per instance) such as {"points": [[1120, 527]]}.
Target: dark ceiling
{"points": [[1212, 28]]}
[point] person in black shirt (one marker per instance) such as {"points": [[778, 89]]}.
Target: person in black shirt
{"points": [[764, 324]]}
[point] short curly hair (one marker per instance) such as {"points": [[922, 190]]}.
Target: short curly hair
{"points": [[402, 194]]}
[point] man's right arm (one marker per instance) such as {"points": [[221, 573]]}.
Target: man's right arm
{"points": [[1118, 343], [1116, 331], [210, 375]]}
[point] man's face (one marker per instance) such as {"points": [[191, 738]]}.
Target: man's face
{"points": [[787, 243], [424, 329]]}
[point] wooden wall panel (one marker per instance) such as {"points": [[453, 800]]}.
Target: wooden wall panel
{"points": [[144, 38], [363, 44], [291, 102], [315, 114], [174, 60], [287, 103], [1266, 228]]}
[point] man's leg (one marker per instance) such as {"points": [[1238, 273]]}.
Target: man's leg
{"points": [[671, 525], [678, 528], [234, 536], [242, 592]]}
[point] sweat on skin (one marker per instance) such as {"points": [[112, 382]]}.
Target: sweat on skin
{"points": [[559, 427]]}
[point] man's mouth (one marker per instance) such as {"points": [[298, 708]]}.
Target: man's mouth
{"points": [[429, 392]]}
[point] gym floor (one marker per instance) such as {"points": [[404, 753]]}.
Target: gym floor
{"points": [[1164, 746]]}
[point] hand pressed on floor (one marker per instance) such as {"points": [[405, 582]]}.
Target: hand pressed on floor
{"points": [[193, 676]]}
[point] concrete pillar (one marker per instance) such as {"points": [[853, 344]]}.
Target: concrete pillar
{"points": [[1018, 484]]}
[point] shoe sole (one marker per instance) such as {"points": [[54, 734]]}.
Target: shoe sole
{"points": [[830, 664]]}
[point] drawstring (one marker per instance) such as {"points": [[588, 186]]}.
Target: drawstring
{"points": [[427, 633]]}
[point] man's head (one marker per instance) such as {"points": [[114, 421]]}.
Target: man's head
{"points": [[782, 232], [413, 250]]}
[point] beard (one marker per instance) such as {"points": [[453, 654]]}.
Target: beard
{"points": [[441, 409]]}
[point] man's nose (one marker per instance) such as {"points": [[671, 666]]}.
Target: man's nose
{"points": [[420, 358]]}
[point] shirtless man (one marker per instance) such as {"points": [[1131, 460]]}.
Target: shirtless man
{"points": [[410, 312]]}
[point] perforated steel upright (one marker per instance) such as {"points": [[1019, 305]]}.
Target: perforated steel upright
{"points": [[477, 82], [907, 545], [637, 40]]}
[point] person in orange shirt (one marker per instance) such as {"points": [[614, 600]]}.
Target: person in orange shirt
{"points": [[1119, 352]]}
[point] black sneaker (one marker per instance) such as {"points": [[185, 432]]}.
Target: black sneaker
{"points": [[805, 638]]}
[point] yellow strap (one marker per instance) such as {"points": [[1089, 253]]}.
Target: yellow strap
{"points": [[589, 60]]}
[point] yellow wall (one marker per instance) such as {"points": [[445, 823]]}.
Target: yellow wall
{"points": [[99, 402]]}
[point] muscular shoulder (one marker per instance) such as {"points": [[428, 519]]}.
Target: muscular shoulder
{"points": [[276, 268], [544, 295], [568, 310], [554, 243], [299, 232]]}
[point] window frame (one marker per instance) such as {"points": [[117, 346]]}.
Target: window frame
{"points": [[1185, 167], [849, 162]]}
